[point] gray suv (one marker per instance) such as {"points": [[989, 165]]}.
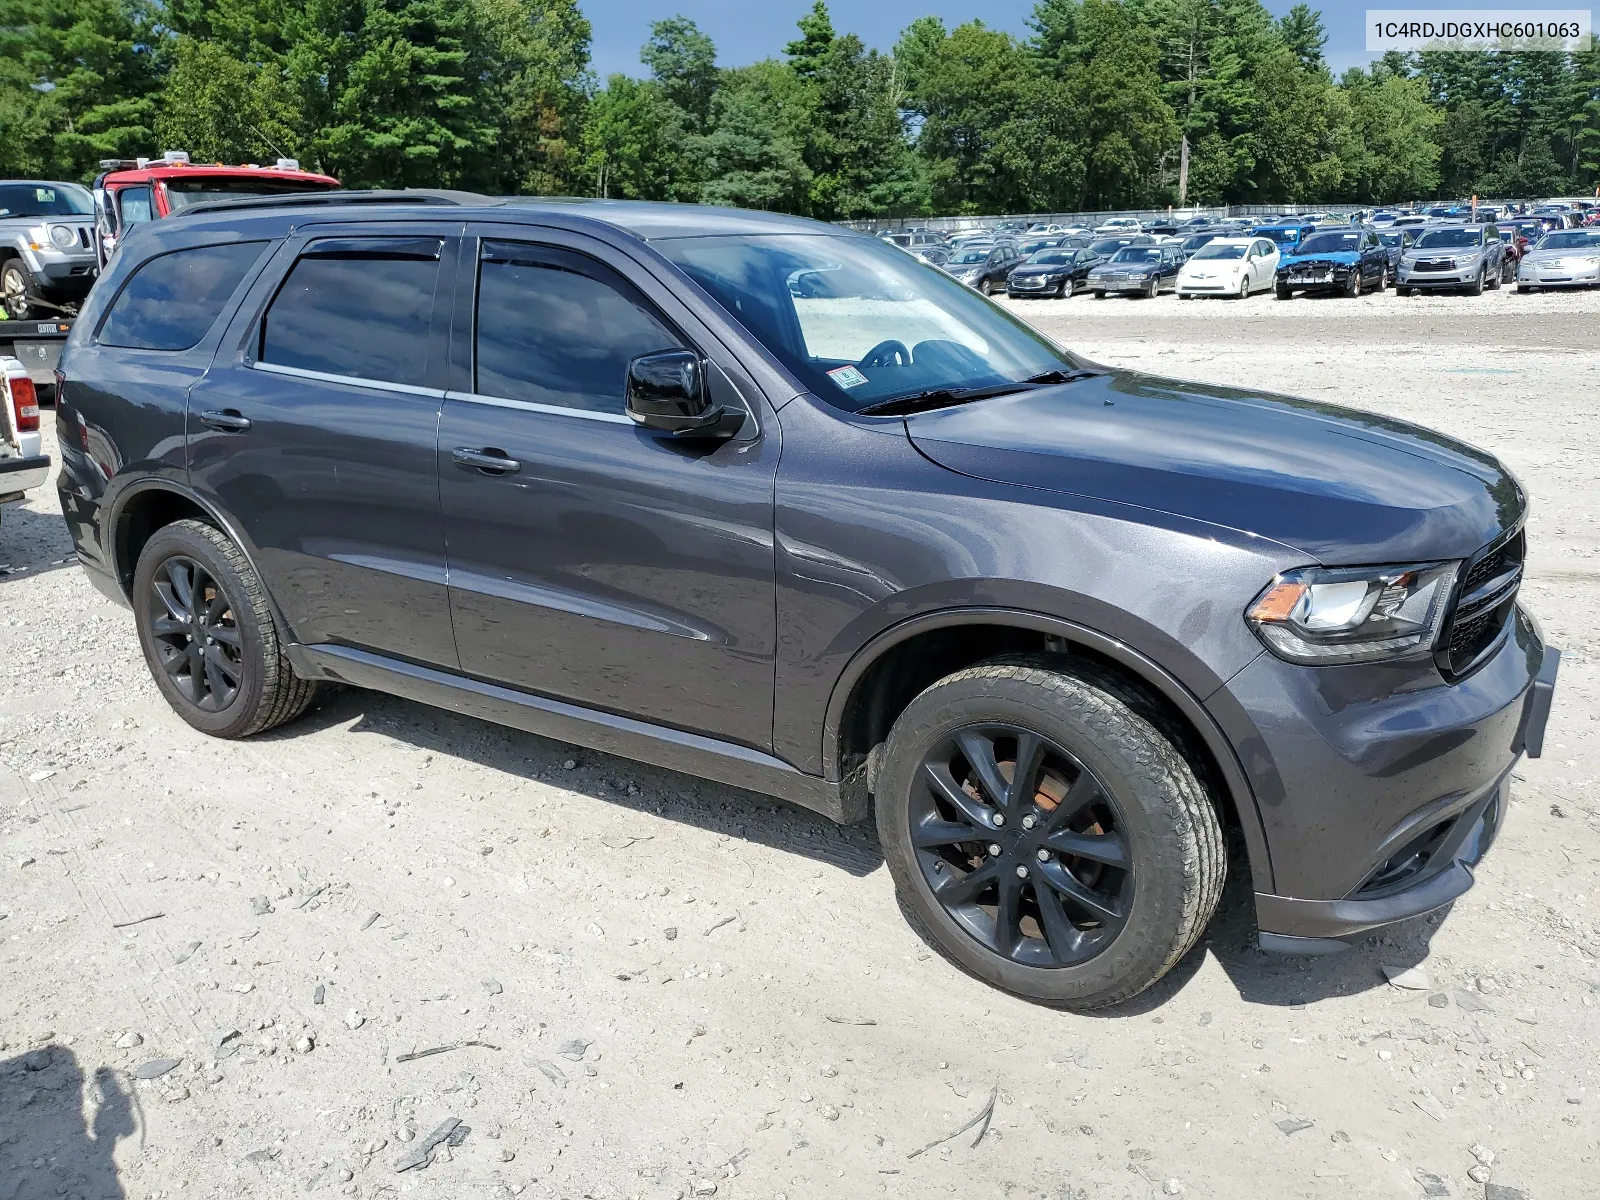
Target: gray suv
{"points": [[773, 503], [47, 257], [1453, 257]]}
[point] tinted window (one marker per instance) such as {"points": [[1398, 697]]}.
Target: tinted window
{"points": [[356, 306], [171, 301], [555, 328]]}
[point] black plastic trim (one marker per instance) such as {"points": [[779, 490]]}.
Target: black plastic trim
{"points": [[675, 749]]}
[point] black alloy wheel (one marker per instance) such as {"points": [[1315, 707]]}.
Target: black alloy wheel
{"points": [[1022, 845], [196, 633], [208, 634]]}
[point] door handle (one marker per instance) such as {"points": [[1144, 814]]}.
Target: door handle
{"points": [[488, 460], [229, 420]]}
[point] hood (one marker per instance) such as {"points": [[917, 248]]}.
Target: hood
{"points": [[1342, 486], [1554, 254], [1044, 269]]}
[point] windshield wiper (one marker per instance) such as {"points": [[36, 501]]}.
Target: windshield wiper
{"points": [[949, 397]]}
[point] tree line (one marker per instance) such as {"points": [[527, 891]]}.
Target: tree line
{"points": [[1105, 104]]}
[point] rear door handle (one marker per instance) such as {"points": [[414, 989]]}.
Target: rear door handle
{"points": [[488, 460], [228, 420]]}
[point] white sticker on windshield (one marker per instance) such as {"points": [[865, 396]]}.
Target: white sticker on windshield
{"points": [[847, 377]]}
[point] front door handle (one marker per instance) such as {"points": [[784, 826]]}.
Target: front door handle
{"points": [[228, 420], [488, 460]]}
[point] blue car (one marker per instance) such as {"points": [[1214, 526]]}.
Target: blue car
{"points": [[1346, 261], [1287, 233]]}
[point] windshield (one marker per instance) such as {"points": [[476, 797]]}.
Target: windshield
{"points": [[1571, 239], [1109, 245], [1216, 251], [1137, 254], [967, 257], [1435, 238], [1284, 237], [1197, 240], [885, 328], [44, 200], [181, 193], [1053, 256], [1330, 243]]}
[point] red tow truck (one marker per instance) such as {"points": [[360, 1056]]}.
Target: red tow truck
{"points": [[131, 191]]}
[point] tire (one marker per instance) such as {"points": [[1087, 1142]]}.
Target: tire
{"points": [[1524, 290], [1146, 800], [987, 287], [17, 289], [1154, 290], [1383, 278], [1352, 285], [1508, 271], [1283, 293], [1476, 287], [266, 691], [1185, 296], [1099, 294], [1401, 291], [1244, 289]]}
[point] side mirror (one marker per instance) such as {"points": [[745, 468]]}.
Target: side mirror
{"points": [[670, 391]]}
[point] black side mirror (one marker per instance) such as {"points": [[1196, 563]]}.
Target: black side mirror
{"points": [[670, 391]]}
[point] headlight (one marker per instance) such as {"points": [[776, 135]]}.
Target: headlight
{"points": [[1353, 614], [64, 236]]}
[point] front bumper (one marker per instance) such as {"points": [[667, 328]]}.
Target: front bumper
{"points": [[1554, 275], [1037, 285], [1314, 280], [1121, 284], [1379, 789], [1457, 277], [66, 280]]}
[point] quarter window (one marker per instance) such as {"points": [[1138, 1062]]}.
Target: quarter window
{"points": [[171, 301], [557, 328], [356, 306]]}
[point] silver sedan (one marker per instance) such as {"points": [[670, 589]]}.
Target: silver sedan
{"points": [[1564, 258]]}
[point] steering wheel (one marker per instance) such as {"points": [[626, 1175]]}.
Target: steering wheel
{"points": [[886, 352]]}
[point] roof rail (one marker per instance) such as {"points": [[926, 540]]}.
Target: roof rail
{"points": [[344, 196]]}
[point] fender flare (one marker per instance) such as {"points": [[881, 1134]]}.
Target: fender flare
{"points": [[112, 529], [1191, 706]]}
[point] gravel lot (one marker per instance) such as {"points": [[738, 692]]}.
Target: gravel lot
{"points": [[659, 987]]}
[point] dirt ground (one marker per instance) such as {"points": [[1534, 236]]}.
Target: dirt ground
{"points": [[658, 987]]}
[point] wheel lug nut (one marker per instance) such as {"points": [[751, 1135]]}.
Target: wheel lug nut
{"points": [[1044, 855], [998, 819], [1028, 821], [1022, 872], [994, 849]]}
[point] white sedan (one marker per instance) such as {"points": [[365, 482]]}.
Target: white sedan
{"points": [[1229, 266]]}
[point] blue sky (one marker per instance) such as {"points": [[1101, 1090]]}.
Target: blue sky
{"points": [[747, 30]]}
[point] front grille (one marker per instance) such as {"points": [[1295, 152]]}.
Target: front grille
{"points": [[83, 236], [1483, 602], [1433, 264]]}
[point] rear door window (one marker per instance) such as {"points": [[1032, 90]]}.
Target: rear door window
{"points": [[359, 307], [171, 301]]}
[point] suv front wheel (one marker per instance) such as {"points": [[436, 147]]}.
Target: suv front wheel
{"points": [[1044, 832], [208, 635]]}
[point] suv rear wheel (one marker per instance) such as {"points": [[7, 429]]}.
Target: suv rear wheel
{"points": [[208, 634], [1045, 834]]}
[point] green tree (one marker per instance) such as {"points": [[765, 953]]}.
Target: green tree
{"points": [[683, 61], [222, 110], [96, 63], [633, 142], [1393, 151], [535, 84], [753, 155], [1303, 34]]}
